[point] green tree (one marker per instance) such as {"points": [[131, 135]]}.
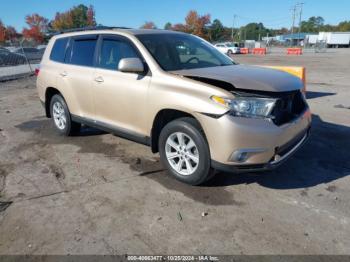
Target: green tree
{"points": [[216, 30], [329, 28], [77, 17], [313, 25], [344, 26], [254, 31], [168, 26]]}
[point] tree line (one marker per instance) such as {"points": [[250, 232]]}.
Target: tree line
{"points": [[317, 24], [38, 27], [215, 31]]}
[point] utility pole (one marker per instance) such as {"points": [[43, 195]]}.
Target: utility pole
{"points": [[233, 25], [300, 15], [294, 10]]}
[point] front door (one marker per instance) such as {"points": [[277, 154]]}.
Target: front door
{"points": [[119, 98]]}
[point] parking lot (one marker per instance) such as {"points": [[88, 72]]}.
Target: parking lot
{"points": [[96, 193]]}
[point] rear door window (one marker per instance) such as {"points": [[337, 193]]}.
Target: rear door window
{"points": [[82, 50], [59, 49]]}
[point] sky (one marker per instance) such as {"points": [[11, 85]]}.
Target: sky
{"points": [[133, 13]]}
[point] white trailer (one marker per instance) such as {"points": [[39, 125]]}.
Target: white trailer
{"points": [[335, 39]]}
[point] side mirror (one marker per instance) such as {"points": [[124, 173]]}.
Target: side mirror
{"points": [[131, 65]]}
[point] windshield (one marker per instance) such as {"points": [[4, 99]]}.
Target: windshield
{"points": [[181, 51]]}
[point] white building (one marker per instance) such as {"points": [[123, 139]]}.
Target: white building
{"points": [[311, 39]]}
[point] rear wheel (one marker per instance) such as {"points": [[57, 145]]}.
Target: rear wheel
{"points": [[184, 151], [61, 117]]}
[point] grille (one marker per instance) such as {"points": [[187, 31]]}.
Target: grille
{"points": [[289, 106]]}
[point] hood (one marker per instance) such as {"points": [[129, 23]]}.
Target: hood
{"points": [[244, 77]]}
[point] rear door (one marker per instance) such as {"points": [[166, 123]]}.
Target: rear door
{"points": [[76, 74], [119, 98]]}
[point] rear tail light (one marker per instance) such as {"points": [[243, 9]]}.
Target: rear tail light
{"points": [[37, 71]]}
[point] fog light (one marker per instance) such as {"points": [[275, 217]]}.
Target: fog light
{"points": [[239, 156], [242, 155]]}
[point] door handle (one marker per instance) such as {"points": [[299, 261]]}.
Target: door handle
{"points": [[99, 79], [64, 73]]}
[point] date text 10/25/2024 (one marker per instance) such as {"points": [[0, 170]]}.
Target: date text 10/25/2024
{"points": [[172, 258]]}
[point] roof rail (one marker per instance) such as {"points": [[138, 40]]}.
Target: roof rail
{"points": [[91, 28]]}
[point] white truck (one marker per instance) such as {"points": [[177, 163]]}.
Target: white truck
{"points": [[228, 48]]}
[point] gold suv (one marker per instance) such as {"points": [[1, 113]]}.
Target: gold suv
{"points": [[177, 94]]}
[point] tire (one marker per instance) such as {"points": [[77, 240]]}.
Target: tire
{"points": [[189, 163], [229, 52], [61, 117]]}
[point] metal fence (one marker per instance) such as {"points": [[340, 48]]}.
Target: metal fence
{"points": [[321, 47], [19, 59]]}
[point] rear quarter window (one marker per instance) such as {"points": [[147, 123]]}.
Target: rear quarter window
{"points": [[59, 49]]}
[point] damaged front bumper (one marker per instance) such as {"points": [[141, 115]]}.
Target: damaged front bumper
{"points": [[278, 159]]}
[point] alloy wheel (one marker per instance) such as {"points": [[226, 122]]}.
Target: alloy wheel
{"points": [[182, 153], [59, 115]]}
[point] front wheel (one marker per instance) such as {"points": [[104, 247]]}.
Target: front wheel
{"points": [[61, 117], [229, 52], [184, 151]]}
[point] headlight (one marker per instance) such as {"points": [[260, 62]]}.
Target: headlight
{"points": [[248, 106]]}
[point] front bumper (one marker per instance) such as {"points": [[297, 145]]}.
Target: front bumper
{"points": [[272, 164], [270, 145]]}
